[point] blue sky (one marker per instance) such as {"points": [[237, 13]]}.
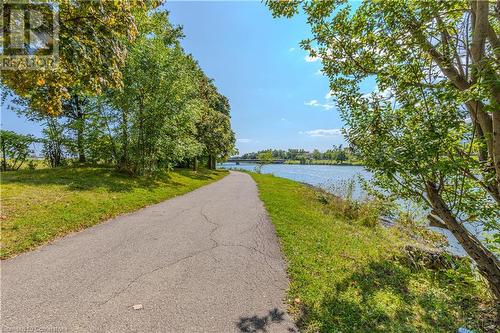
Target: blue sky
{"points": [[277, 94]]}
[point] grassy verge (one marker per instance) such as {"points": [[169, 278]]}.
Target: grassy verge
{"points": [[348, 275], [39, 205]]}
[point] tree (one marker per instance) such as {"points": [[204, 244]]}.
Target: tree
{"points": [[156, 109], [214, 123], [74, 119], [294, 154], [164, 113], [169, 111], [15, 148], [264, 157], [92, 50], [216, 135], [98, 135], [316, 154], [341, 156], [302, 158], [54, 143], [431, 130]]}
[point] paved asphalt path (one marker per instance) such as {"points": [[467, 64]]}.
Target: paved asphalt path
{"points": [[207, 261]]}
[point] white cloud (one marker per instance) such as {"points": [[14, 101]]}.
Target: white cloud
{"points": [[291, 49], [244, 140], [323, 133], [285, 121], [329, 95], [312, 102], [308, 58], [327, 106], [385, 94], [318, 72]]}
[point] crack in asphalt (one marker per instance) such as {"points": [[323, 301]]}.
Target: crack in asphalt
{"points": [[214, 229], [251, 248], [137, 278], [216, 244]]}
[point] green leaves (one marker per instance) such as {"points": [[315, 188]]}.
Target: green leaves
{"points": [[430, 118], [125, 92], [168, 112], [93, 37], [14, 149]]}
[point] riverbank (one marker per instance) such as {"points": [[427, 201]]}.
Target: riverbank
{"points": [[324, 162], [349, 274], [40, 205], [299, 162]]}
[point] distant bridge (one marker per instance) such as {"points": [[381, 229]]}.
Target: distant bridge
{"points": [[243, 160]]}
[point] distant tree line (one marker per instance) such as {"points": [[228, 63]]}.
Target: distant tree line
{"points": [[337, 154], [143, 107]]}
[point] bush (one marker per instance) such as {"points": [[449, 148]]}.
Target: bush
{"points": [[53, 144], [339, 199], [14, 149], [31, 165]]}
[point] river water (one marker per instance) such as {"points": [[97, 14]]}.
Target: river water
{"points": [[333, 179]]}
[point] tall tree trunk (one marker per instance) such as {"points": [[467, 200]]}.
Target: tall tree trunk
{"points": [[195, 164], [487, 264], [124, 162], [141, 135], [81, 146], [80, 123], [116, 157], [211, 162], [496, 138], [4, 158]]}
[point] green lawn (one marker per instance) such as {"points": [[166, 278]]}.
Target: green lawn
{"points": [[349, 277], [39, 205]]}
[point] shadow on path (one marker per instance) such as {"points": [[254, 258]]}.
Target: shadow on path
{"points": [[90, 178], [257, 324]]}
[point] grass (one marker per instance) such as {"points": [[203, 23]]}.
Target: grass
{"points": [[350, 276], [40, 205]]}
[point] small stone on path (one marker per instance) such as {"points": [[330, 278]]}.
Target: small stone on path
{"points": [[137, 307]]}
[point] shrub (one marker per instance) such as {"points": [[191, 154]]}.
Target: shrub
{"points": [[14, 149], [31, 165]]}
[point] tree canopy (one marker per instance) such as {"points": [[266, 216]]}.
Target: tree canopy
{"points": [[92, 50], [124, 92]]}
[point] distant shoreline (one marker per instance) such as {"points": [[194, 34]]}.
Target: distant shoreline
{"points": [[292, 162]]}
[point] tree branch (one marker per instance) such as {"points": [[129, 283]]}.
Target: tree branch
{"points": [[435, 221]]}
